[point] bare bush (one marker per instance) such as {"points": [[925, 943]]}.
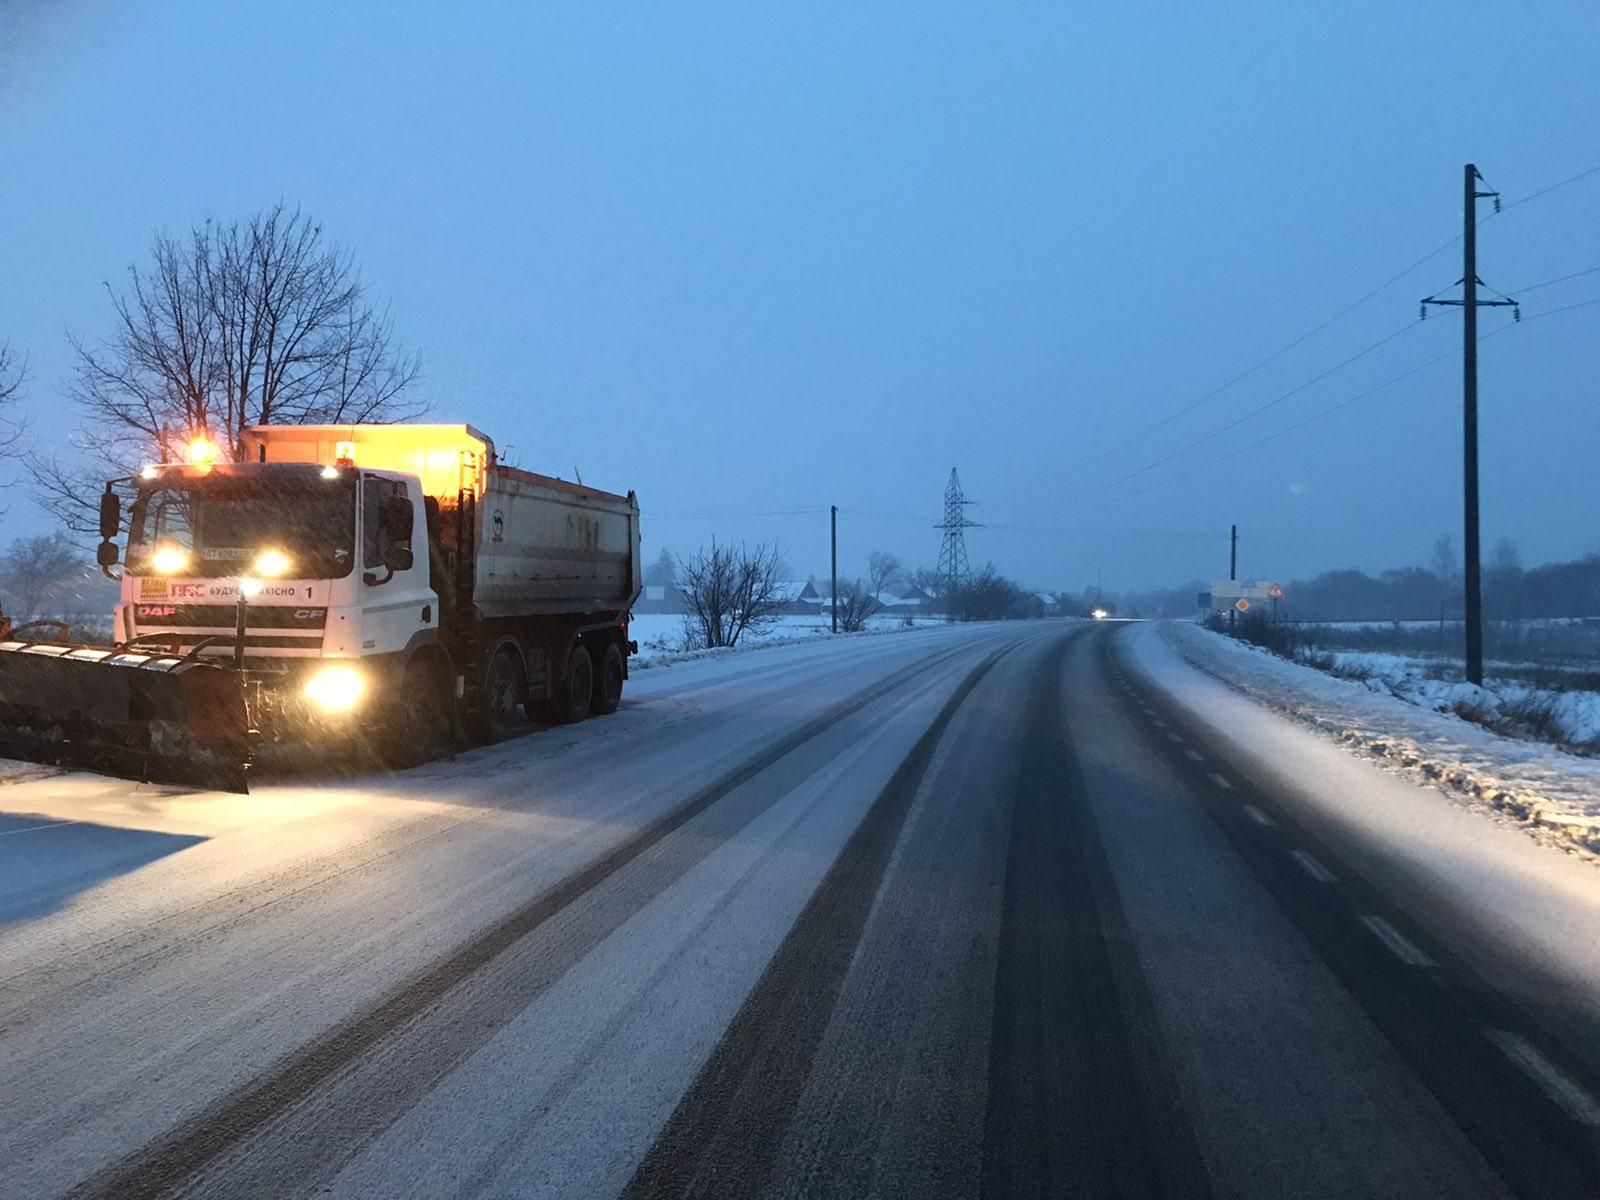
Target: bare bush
{"points": [[729, 592], [263, 322], [989, 596], [883, 569], [39, 574], [854, 604], [11, 423]]}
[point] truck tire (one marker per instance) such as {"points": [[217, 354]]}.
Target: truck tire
{"points": [[418, 725], [573, 694], [608, 682], [499, 714]]}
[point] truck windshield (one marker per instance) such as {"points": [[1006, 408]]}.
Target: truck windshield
{"points": [[225, 523]]}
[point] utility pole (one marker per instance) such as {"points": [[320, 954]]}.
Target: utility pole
{"points": [[1469, 305], [833, 594], [1233, 568]]}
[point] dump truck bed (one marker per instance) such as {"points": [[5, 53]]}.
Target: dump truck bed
{"points": [[542, 545]]}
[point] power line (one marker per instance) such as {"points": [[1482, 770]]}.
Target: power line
{"points": [[1271, 358], [735, 512], [1534, 287], [1255, 412], [1546, 191], [1329, 411], [1349, 308]]}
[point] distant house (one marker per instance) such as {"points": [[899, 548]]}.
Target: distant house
{"points": [[660, 598], [907, 601], [800, 598]]}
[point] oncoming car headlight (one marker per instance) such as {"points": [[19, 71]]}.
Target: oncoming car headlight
{"points": [[337, 688]]}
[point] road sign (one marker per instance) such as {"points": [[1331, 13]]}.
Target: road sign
{"points": [[1243, 605], [1275, 592]]}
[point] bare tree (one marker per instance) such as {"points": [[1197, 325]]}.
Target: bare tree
{"points": [[37, 572], [855, 602], [1445, 563], [929, 580], [11, 423], [251, 323], [730, 592], [1506, 555], [883, 569], [990, 596], [663, 572]]}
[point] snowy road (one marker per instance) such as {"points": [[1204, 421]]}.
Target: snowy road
{"points": [[984, 911]]}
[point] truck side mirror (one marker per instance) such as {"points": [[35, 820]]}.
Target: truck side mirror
{"points": [[396, 516], [110, 514], [106, 555], [398, 557]]}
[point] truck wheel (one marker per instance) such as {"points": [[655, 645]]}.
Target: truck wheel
{"points": [[608, 682], [500, 712], [570, 704], [418, 728]]}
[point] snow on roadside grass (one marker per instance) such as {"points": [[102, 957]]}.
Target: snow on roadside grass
{"points": [[660, 637], [1570, 719], [1549, 792], [13, 771]]}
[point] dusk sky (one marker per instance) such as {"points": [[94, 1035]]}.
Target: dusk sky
{"points": [[753, 260]]}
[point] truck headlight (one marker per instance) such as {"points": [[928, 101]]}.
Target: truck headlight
{"points": [[337, 688], [169, 560], [272, 563]]}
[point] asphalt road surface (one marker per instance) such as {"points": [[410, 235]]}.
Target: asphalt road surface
{"points": [[970, 913]]}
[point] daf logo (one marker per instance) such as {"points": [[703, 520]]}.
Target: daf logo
{"points": [[157, 610]]}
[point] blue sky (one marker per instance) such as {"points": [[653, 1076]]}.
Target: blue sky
{"points": [[752, 259]]}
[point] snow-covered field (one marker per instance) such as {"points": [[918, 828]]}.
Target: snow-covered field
{"points": [[661, 635], [1568, 717], [1552, 794]]}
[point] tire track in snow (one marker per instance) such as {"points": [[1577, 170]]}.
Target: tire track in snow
{"points": [[178, 1158], [729, 1127], [1081, 1099]]}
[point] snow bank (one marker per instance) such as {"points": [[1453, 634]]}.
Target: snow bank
{"points": [[660, 637], [12, 771], [1552, 794], [1569, 718]]}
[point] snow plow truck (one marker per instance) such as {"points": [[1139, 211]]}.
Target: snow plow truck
{"points": [[392, 586]]}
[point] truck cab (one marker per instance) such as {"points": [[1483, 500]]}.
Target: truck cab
{"points": [[395, 579]]}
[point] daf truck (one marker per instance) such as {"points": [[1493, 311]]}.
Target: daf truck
{"points": [[397, 584]]}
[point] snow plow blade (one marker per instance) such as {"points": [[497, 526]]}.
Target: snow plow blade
{"points": [[138, 714]]}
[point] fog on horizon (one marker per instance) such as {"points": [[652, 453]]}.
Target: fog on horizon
{"points": [[755, 263]]}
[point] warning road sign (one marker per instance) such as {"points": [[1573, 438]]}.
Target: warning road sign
{"points": [[1275, 592]]}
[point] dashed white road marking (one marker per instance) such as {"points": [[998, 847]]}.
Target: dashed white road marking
{"points": [[36, 828], [1397, 943], [1256, 815], [1552, 1080], [1219, 780], [1312, 867], [1175, 737], [1195, 755], [1158, 722]]}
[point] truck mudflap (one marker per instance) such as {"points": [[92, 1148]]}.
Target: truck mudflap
{"points": [[134, 713]]}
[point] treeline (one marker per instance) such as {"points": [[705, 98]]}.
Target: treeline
{"points": [[1510, 593]]}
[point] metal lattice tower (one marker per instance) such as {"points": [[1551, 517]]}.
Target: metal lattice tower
{"points": [[953, 554]]}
